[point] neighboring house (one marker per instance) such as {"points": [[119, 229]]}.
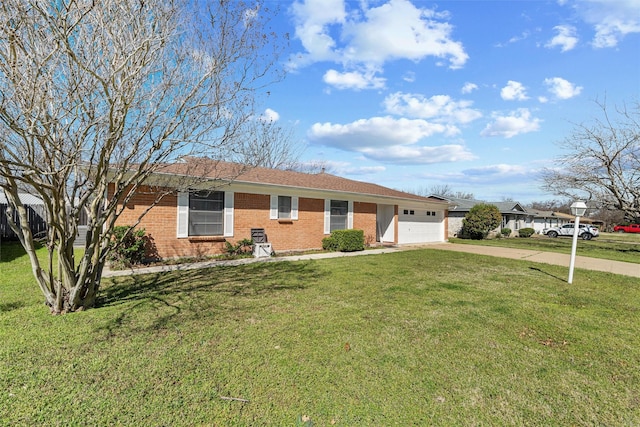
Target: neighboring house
{"points": [[296, 210], [514, 215], [548, 219], [35, 211]]}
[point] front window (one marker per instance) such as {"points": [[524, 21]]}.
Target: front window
{"points": [[206, 213], [284, 207], [339, 214]]}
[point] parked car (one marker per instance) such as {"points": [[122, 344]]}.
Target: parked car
{"points": [[631, 228], [586, 231]]}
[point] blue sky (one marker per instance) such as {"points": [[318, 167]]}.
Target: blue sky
{"points": [[412, 94]]}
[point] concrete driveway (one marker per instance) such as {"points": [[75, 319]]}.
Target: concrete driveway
{"points": [[596, 264]]}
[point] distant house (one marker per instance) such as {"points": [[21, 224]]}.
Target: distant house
{"points": [[35, 211], [514, 215], [548, 219], [295, 210]]}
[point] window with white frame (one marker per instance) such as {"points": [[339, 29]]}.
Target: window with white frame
{"points": [[205, 213], [338, 215], [284, 207]]}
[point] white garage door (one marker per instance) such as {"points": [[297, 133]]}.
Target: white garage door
{"points": [[419, 226]]}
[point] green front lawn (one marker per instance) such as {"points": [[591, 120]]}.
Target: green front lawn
{"points": [[612, 246], [421, 337]]}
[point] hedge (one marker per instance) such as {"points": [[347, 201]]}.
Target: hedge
{"points": [[344, 241], [526, 232]]}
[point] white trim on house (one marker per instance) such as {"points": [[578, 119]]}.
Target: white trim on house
{"points": [[327, 216], [228, 213], [273, 207], [294, 208], [183, 214]]}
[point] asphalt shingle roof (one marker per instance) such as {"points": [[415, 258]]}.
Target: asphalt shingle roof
{"points": [[212, 169]]}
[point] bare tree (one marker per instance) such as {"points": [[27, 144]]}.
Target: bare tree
{"points": [[602, 163], [273, 146], [555, 205], [440, 190], [444, 190], [312, 167], [99, 94]]}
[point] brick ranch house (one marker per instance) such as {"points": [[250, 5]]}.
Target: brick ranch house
{"points": [[296, 210]]}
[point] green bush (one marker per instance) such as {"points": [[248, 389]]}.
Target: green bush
{"points": [[479, 221], [526, 232], [330, 244], [344, 241], [127, 246], [506, 232]]}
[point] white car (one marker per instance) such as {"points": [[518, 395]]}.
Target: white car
{"points": [[586, 231]]}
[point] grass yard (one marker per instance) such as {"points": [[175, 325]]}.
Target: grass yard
{"points": [[612, 246], [421, 337]]}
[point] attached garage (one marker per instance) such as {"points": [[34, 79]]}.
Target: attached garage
{"points": [[420, 226]]}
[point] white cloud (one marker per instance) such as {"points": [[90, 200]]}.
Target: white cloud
{"points": [[566, 38], [312, 22], [441, 108], [612, 20], [270, 115], [514, 91], [469, 87], [496, 174], [374, 132], [353, 80], [500, 170], [419, 155], [400, 30], [409, 77], [515, 39], [389, 139], [367, 37], [363, 170], [561, 88], [516, 123]]}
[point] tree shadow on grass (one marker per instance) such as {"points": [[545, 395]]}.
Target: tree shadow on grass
{"points": [[158, 299], [8, 306], [230, 280], [12, 249]]}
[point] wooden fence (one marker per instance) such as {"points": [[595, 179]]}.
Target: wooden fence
{"points": [[36, 220]]}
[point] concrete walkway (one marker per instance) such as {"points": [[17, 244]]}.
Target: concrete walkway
{"points": [[596, 264], [221, 263]]}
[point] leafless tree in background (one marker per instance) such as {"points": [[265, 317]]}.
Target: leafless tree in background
{"points": [[444, 190], [273, 146], [99, 92], [602, 162]]}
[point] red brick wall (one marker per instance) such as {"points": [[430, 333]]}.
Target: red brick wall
{"points": [[160, 224], [307, 232], [250, 211], [364, 218]]}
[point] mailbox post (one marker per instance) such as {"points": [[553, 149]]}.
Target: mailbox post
{"points": [[578, 209]]}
